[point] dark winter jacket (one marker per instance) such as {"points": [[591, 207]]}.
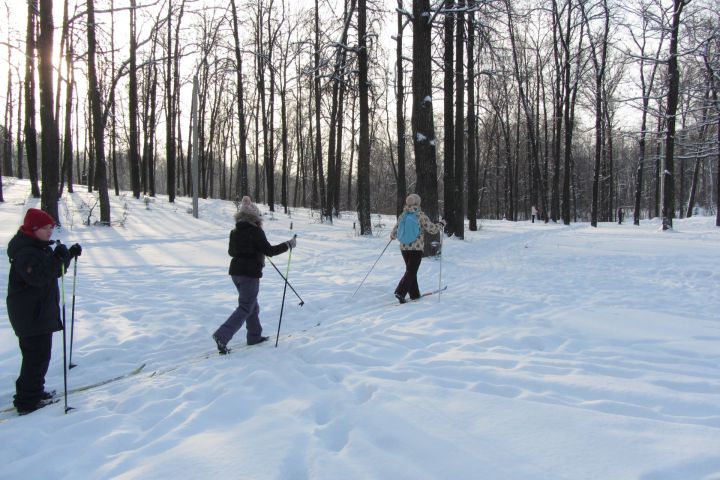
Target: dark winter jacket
{"points": [[33, 295], [248, 248]]}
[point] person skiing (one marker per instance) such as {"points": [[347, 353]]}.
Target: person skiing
{"points": [[33, 303], [248, 248], [409, 232]]}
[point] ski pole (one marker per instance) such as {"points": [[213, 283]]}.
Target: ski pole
{"points": [[282, 306], [72, 316], [62, 283], [440, 275], [371, 268], [286, 281]]}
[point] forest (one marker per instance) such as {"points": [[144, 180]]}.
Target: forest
{"points": [[584, 109]]}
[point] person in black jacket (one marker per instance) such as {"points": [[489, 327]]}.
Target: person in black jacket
{"points": [[33, 302], [248, 248]]}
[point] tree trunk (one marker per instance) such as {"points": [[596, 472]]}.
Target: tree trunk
{"points": [[68, 144], [423, 128], [449, 206], [19, 130], [30, 130], [170, 109], [242, 170], [49, 139], [668, 209], [133, 154], [97, 123], [8, 141], [318, 132], [459, 174], [472, 163], [333, 178], [400, 113], [364, 148]]}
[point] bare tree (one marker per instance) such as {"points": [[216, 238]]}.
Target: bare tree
{"points": [[673, 73], [318, 163], [448, 117], [49, 139], [458, 226], [472, 185], [30, 130], [7, 144], [242, 170], [133, 109], [423, 129], [364, 147], [98, 120], [647, 81], [599, 59], [400, 111]]}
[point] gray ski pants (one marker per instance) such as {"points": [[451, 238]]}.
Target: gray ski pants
{"points": [[247, 311]]}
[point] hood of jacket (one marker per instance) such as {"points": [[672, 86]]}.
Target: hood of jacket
{"points": [[22, 240], [413, 208], [245, 216]]}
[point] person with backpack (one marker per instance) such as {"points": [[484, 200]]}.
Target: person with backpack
{"points": [[409, 232], [248, 248], [33, 303]]}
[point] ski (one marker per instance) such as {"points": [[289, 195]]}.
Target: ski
{"points": [[431, 292], [425, 294], [9, 413], [91, 386], [395, 303]]}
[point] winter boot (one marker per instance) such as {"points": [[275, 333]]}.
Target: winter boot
{"points": [[255, 341], [221, 346]]}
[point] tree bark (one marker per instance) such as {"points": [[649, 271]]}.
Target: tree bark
{"points": [[423, 128], [668, 208], [318, 132], [133, 154], [30, 129], [459, 173], [97, 123], [242, 170], [449, 206], [49, 139], [472, 163], [400, 113], [364, 148]]}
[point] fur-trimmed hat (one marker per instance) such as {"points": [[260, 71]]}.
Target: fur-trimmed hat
{"points": [[413, 200], [36, 219], [248, 211]]}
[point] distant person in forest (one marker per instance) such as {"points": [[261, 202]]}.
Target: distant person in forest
{"points": [[534, 212], [409, 232], [620, 215], [33, 303], [248, 248]]}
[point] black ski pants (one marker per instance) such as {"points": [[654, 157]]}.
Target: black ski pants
{"points": [[408, 283], [30, 385]]}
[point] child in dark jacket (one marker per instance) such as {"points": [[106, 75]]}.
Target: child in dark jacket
{"points": [[33, 302], [248, 248]]}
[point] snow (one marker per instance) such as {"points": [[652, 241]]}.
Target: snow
{"points": [[556, 353]]}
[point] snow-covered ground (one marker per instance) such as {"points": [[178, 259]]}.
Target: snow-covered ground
{"points": [[556, 353]]}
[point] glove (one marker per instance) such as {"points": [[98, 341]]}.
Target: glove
{"points": [[75, 251], [61, 252], [291, 243]]}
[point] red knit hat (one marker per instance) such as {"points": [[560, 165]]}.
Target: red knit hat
{"points": [[36, 219]]}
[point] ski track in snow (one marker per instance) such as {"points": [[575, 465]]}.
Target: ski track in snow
{"points": [[556, 352]]}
